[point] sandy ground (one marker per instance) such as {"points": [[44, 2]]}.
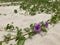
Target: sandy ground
{"points": [[20, 20]]}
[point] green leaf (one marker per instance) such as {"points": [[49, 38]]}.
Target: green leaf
{"points": [[43, 28], [19, 33], [0, 43], [15, 11], [20, 42], [27, 29], [32, 13], [31, 26], [10, 27], [31, 34], [7, 37], [54, 19]]}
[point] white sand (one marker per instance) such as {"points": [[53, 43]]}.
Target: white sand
{"points": [[52, 37]]}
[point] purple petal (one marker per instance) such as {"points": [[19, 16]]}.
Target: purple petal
{"points": [[46, 24], [37, 27]]}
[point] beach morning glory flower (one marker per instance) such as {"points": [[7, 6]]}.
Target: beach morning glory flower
{"points": [[37, 27], [46, 24]]}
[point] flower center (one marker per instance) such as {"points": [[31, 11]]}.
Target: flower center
{"points": [[37, 27]]}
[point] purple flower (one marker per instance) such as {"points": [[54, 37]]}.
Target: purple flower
{"points": [[46, 24], [37, 27]]}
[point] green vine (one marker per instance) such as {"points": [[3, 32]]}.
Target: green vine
{"points": [[32, 30]]}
